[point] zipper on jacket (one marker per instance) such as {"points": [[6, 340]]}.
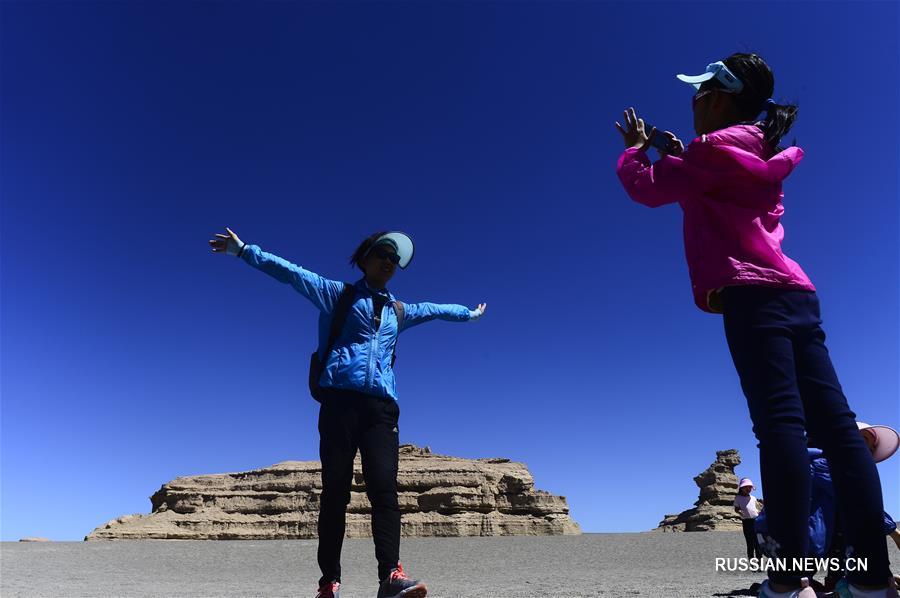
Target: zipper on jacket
{"points": [[370, 370]]}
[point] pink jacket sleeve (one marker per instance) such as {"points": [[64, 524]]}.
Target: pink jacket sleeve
{"points": [[717, 172], [668, 180]]}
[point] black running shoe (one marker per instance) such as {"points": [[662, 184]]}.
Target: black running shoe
{"points": [[398, 585]]}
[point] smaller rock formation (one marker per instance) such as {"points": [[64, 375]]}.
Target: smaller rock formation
{"points": [[31, 539], [714, 509]]}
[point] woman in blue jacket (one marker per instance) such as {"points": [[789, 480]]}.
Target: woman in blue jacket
{"points": [[357, 393]]}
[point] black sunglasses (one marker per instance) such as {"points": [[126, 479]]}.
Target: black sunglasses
{"points": [[386, 255], [705, 92], [699, 95]]}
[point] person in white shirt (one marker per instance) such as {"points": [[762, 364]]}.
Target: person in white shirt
{"points": [[748, 508]]}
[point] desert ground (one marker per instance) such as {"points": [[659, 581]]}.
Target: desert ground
{"points": [[639, 564]]}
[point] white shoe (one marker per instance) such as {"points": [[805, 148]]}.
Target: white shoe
{"points": [[804, 591]]}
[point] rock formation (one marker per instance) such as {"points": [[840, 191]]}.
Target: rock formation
{"points": [[439, 496], [714, 509]]}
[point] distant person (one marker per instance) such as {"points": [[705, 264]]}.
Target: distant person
{"points": [[728, 183], [352, 375], [746, 505]]}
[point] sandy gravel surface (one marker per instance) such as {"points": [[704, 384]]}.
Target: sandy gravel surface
{"points": [[645, 564]]}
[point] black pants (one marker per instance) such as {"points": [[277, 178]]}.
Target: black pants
{"points": [[349, 421], [778, 347], [750, 538]]}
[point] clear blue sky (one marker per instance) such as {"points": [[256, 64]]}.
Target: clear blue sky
{"points": [[132, 132]]}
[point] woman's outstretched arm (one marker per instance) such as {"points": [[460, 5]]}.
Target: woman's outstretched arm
{"points": [[322, 292], [419, 313]]}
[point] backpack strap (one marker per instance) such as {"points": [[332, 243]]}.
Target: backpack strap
{"points": [[398, 309], [338, 317]]}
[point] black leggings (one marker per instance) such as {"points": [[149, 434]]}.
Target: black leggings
{"points": [[349, 421], [778, 347], [750, 538]]}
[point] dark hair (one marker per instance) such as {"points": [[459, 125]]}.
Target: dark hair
{"points": [[363, 249], [759, 84]]}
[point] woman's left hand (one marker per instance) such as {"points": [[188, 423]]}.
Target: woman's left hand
{"points": [[675, 144], [477, 312], [633, 133]]}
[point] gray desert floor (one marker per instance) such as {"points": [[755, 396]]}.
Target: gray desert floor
{"points": [[645, 564]]}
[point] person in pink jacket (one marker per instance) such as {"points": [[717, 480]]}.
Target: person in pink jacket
{"points": [[728, 181]]}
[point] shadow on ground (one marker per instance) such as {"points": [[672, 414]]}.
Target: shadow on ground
{"points": [[753, 590]]}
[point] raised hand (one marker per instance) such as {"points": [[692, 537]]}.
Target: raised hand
{"points": [[633, 133], [229, 243], [477, 312]]}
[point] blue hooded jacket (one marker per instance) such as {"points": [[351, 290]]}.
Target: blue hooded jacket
{"points": [[361, 357]]}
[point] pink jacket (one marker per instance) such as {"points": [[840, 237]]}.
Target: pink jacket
{"points": [[729, 186]]}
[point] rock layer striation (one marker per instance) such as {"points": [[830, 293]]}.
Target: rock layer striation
{"points": [[439, 496], [714, 509]]}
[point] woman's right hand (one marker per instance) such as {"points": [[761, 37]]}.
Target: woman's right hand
{"points": [[633, 132], [229, 243]]}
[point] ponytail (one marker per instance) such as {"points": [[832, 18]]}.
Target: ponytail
{"points": [[759, 84], [778, 121]]}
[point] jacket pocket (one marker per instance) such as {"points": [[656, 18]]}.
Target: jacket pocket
{"points": [[333, 366], [392, 410]]}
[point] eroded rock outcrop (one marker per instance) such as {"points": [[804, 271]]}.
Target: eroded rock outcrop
{"points": [[714, 509], [439, 496]]}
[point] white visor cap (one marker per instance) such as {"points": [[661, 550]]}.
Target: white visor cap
{"points": [[401, 243], [887, 440], [716, 70]]}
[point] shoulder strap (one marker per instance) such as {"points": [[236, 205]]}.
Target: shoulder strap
{"points": [[398, 309], [338, 317]]}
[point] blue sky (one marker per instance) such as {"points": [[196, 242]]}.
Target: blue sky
{"points": [[132, 132]]}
